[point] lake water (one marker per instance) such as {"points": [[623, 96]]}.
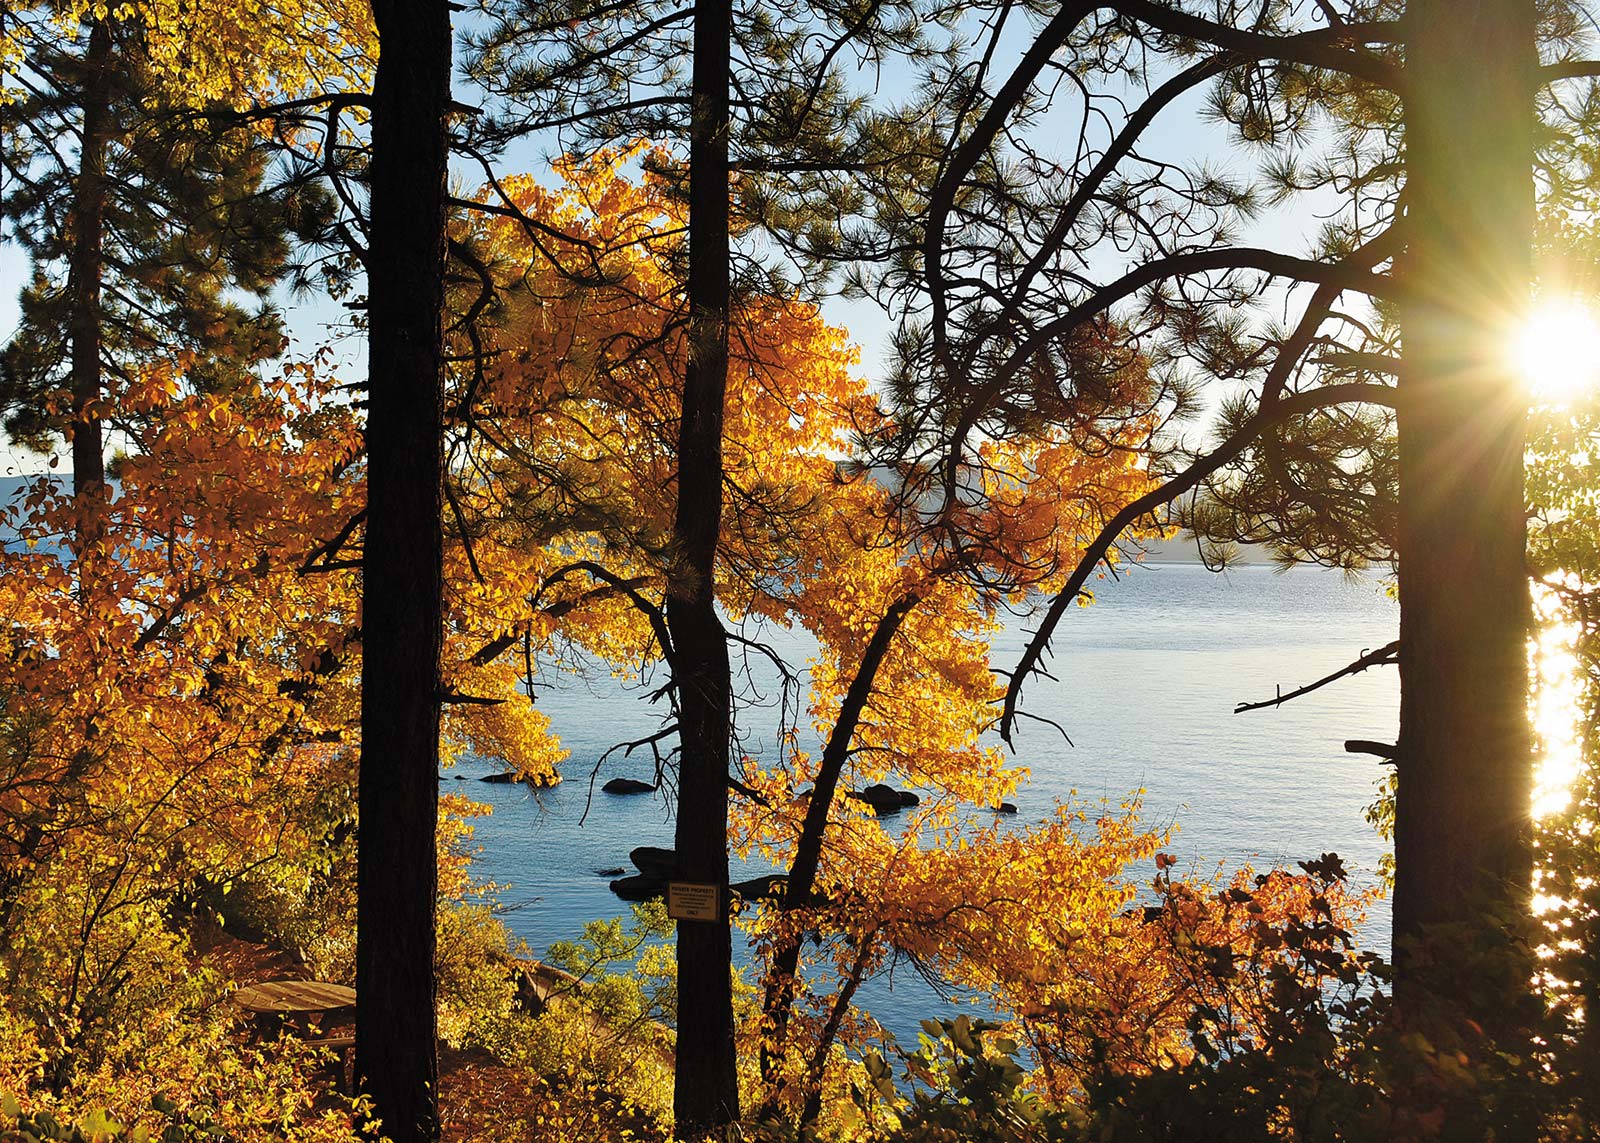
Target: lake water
{"points": [[1146, 681]]}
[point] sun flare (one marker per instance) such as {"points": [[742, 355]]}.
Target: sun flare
{"points": [[1557, 351], [1556, 704]]}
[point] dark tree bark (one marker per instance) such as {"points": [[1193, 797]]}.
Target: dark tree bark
{"points": [[706, 1096], [88, 208], [1462, 815], [396, 1051]]}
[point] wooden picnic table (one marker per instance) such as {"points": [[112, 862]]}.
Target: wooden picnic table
{"points": [[277, 1004], [294, 997]]}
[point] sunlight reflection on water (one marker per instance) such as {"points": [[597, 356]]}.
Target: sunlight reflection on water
{"points": [[1555, 704], [1146, 680]]}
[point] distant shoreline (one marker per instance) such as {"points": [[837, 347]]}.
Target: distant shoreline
{"points": [[1182, 550]]}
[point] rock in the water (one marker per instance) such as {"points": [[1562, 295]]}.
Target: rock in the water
{"points": [[628, 786], [461, 777], [769, 888], [655, 861], [907, 798], [639, 888], [500, 779], [614, 871], [543, 781], [1006, 808], [883, 799]]}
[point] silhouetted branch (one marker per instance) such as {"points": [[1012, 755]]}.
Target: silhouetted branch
{"points": [[449, 697], [1190, 477], [1569, 69], [740, 788], [658, 621], [651, 740], [1048, 722], [1386, 655], [506, 640], [1340, 48]]}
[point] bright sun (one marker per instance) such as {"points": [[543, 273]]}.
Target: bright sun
{"points": [[1558, 352]]}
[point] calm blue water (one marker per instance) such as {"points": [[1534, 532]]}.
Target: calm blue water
{"points": [[1146, 682]]}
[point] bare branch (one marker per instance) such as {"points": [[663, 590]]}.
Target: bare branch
{"points": [[1279, 411], [1569, 69], [1387, 655], [658, 621], [1388, 751]]}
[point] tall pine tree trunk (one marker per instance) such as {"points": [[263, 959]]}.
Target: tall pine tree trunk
{"points": [[1462, 816], [707, 1091], [85, 273], [396, 1049]]}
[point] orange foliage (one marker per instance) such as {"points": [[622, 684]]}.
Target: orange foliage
{"points": [[1124, 1002], [233, 52], [187, 704], [187, 716], [565, 469], [172, 691]]}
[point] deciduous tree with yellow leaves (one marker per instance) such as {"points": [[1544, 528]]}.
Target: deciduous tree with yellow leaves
{"points": [[563, 484]]}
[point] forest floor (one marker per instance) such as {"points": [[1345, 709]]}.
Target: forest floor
{"points": [[475, 1089]]}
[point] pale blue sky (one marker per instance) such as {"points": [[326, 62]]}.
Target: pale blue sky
{"points": [[1180, 133]]}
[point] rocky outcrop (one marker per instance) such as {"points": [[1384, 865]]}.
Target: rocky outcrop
{"points": [[1006, 808], [651, 859], [537, 781], [640, 887], [627, 786], [768, 888], [656, 867], [884, 799]]}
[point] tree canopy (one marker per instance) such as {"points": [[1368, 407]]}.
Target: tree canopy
{"points": [[608, 419]]}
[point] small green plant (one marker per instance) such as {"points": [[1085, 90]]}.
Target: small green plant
{"points": [[967, 1086], [40, 1126]]}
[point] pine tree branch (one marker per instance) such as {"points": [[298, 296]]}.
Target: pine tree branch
{"points": [[1277, 412]]}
